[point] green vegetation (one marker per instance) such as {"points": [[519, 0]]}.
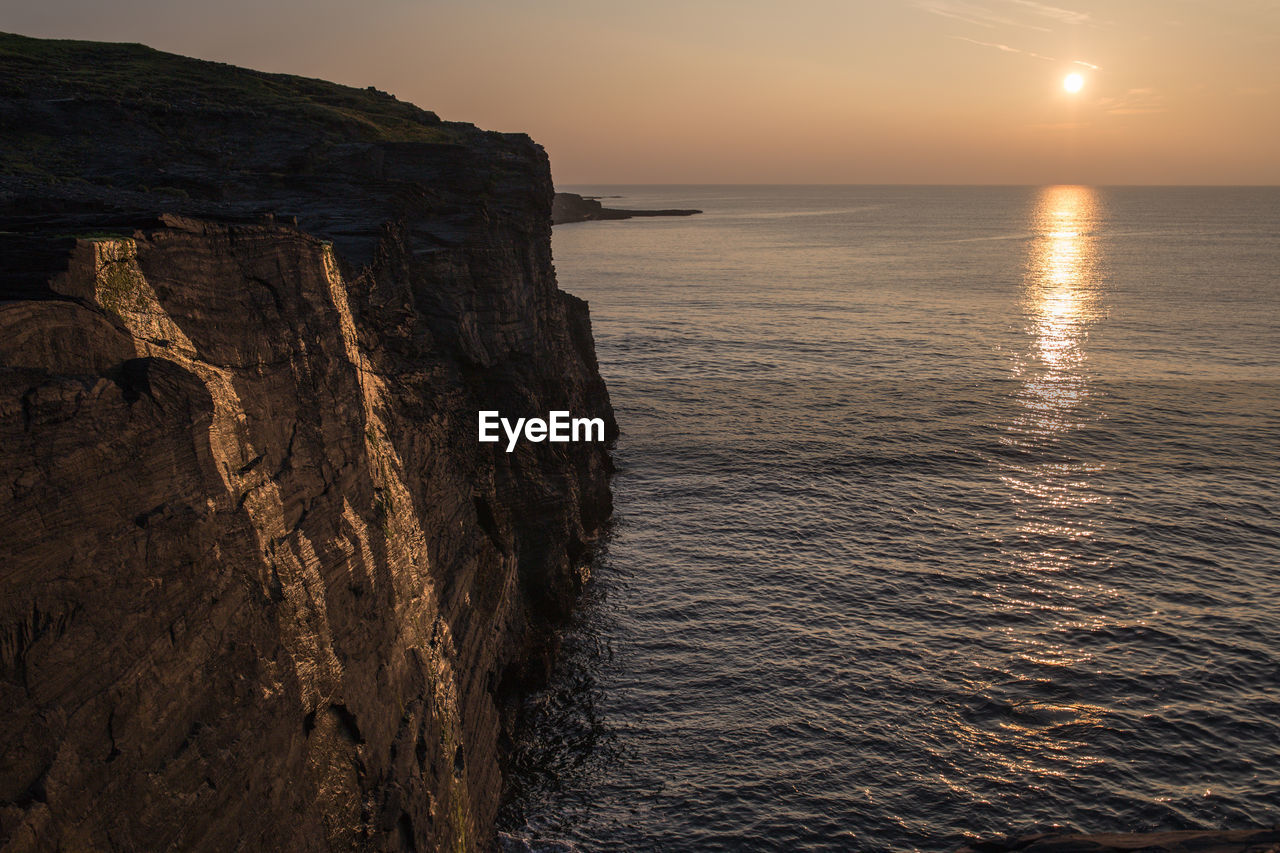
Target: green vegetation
{"points": [[139, 74], [192, 104], [459, 819]]}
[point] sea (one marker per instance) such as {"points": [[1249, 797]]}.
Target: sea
{"points": [[942, 513]]}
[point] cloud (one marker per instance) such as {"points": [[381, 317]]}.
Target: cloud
{"points": [[1134, 102], [1005, 13], [1004, 47], [972, 13], [1066, 16], [1010, 49]]}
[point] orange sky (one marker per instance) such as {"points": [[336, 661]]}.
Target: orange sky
{"points": [[748, 91]]}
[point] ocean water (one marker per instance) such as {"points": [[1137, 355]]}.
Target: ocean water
{"points": [[941, 513]]}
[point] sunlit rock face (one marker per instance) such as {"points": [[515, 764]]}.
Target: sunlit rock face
{"points": [[261, 587]]}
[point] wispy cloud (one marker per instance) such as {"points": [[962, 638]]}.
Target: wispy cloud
{"points": [[972, 13], [1004, 47], [1010, 49], [1023, 14], [1134, 102], [1066, 16]]}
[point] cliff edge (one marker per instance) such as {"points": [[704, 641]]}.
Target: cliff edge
{"points": [[260, 587]]}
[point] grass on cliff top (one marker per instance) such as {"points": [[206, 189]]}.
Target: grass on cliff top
{"points": [[135, 74]]}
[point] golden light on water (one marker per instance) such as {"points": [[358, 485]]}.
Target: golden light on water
{"points": [[1055, 496], [1049, 569], [1060, 299]]}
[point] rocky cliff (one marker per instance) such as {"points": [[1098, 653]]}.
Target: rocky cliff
{"points": [[260, 587]]}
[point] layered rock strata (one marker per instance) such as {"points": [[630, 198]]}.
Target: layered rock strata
{"points": [[260, 586]]}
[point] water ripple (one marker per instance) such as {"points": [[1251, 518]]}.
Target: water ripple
{"points": [[940, 514]]}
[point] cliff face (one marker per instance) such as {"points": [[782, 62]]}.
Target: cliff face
{"points": [[260, 587]]}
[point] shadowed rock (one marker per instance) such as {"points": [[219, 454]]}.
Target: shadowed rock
{"points": [[571, 207], [260, 587]]}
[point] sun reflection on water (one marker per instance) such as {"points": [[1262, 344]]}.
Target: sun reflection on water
{"points": [[1060, 297], [1054, 495], [1053, 577]]}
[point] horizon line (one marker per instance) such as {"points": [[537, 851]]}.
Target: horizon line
{"points": [[911, 184]]}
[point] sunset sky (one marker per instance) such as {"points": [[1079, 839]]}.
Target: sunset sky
{"points": [[747, 91]]}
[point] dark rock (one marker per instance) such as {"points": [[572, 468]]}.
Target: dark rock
{"points": [[260, 586], [571, 207]]}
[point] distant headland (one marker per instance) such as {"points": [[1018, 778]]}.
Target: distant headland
{"points": [[571, 207]]}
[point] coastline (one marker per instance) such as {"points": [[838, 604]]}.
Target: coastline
{"points": [[263, 584], [571, 207]]}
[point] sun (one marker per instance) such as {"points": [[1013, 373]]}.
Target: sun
{"points": [[1073, 83]]}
